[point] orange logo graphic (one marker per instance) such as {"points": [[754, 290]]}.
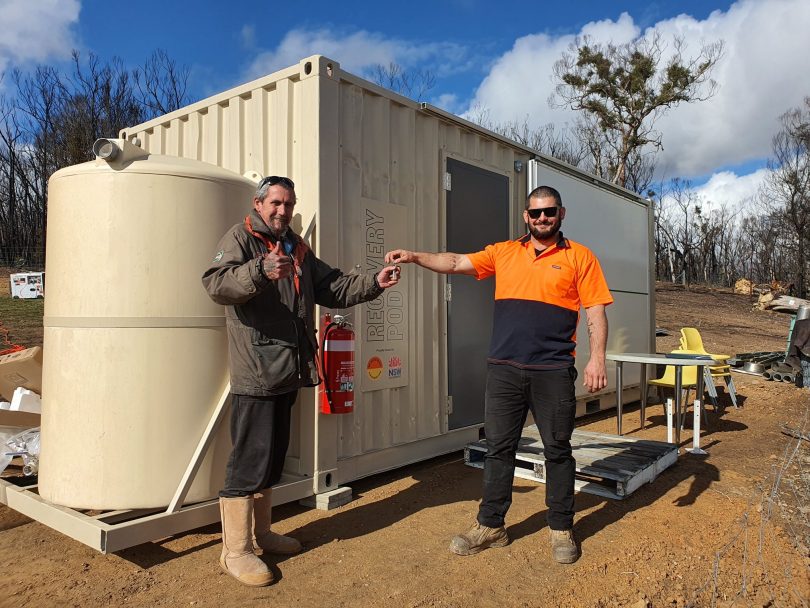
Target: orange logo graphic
{"points": [[374, 367]]}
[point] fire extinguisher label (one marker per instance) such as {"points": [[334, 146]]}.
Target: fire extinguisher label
{"points": [[345, 376]]}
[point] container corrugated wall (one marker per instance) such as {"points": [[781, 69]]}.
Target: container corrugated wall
{"points": [[392, 152]]}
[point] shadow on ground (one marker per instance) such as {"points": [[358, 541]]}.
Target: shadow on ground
{"points": [[442, 481]]}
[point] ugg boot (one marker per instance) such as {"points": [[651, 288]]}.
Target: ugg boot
{"points": [[263, 537], [238, 558]]}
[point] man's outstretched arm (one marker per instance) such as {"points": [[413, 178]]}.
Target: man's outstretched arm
{"points": [[444, 263]]}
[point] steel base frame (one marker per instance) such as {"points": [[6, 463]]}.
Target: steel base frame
{"points": [[116, 530]]}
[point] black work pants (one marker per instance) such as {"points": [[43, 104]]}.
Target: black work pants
{"points": [[260, 434], [509, 395]]}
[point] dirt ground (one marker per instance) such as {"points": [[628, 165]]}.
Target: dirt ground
{"points": [[727, 529]]}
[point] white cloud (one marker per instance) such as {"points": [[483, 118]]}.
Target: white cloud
{"points": [[447, 101], [760, 77], [359, 52], [248, 36], [726, 187], [520, 83], [36, 30]]}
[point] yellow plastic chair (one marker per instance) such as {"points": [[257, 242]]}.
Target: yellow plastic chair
{"points": [[691, 341], [688, 377], [688, 381]]}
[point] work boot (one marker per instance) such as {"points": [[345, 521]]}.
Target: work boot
{"points": [[477, 539], [263, 538], [564, 546], [237, 557]]}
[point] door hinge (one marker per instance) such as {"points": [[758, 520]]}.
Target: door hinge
{"points": [[449, 404], [448, 292], [448, 181]]}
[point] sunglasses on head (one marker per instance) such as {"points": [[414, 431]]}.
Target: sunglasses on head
{"points": [[272, 180], [548, 211]]}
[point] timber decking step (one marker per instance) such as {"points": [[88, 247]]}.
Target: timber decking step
{"points": [[608, 465]]}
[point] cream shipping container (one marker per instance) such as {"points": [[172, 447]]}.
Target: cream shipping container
{"points": [[375, 171]]}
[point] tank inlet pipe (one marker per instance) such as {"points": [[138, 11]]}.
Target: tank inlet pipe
{"points": [[105, 149]]}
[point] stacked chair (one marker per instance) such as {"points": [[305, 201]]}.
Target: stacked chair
{"points": [[692, 342], [688, 382]]}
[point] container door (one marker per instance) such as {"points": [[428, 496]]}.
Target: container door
{"points": [[477, 215]]}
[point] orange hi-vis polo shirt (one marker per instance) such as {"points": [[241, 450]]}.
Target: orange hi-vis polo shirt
{"points": [[537, 299]]}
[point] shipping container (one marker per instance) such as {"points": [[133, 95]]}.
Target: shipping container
{"points": [[376, 171]]}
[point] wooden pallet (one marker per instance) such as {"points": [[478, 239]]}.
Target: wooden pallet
{"points": [[607, 465]]}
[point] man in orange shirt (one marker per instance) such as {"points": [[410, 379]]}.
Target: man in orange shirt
{"points": [[542, 279]]}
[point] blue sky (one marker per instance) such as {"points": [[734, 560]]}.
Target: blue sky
{"points": [[484, 56]]}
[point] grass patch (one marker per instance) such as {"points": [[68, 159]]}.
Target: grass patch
{"points": [[22, 319]]}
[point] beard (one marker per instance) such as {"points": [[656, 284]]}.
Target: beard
{"points": [[278, 228], [543, 232]]}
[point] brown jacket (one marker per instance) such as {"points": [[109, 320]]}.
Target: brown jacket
{"points": [[271, 330]]}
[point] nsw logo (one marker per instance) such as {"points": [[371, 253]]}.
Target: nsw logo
{"points": [[394, 367]]}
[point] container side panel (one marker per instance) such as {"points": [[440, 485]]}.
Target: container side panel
{"points": [[193, 139], [383, 166], [376, 147], [403, 179], [427, 328], [613, 227], [616, 229], [174, 137], [351, 142], [255, 125], [278, 138], [232, 143], [213, 135]]}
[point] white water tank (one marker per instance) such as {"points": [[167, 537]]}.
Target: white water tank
{"points": [[135, 353]]}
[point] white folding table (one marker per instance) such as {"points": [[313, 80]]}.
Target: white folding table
{"points": [[678, 361]]}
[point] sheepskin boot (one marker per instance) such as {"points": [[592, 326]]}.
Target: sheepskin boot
{"points": [[263, 537], [238, 558]]}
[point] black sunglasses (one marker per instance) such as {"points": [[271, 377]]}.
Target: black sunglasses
{"points": [[549, 211], [272, 180]]}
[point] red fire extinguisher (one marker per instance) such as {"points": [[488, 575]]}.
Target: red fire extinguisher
{"points": [[337, 365]]}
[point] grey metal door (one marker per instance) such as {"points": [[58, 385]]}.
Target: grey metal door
{"points": [[477, 215]]}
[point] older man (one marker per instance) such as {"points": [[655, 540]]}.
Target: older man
{"points": [[269, 280]]}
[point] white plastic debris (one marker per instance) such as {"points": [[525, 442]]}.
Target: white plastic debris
{"points": [[25, 400]]}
